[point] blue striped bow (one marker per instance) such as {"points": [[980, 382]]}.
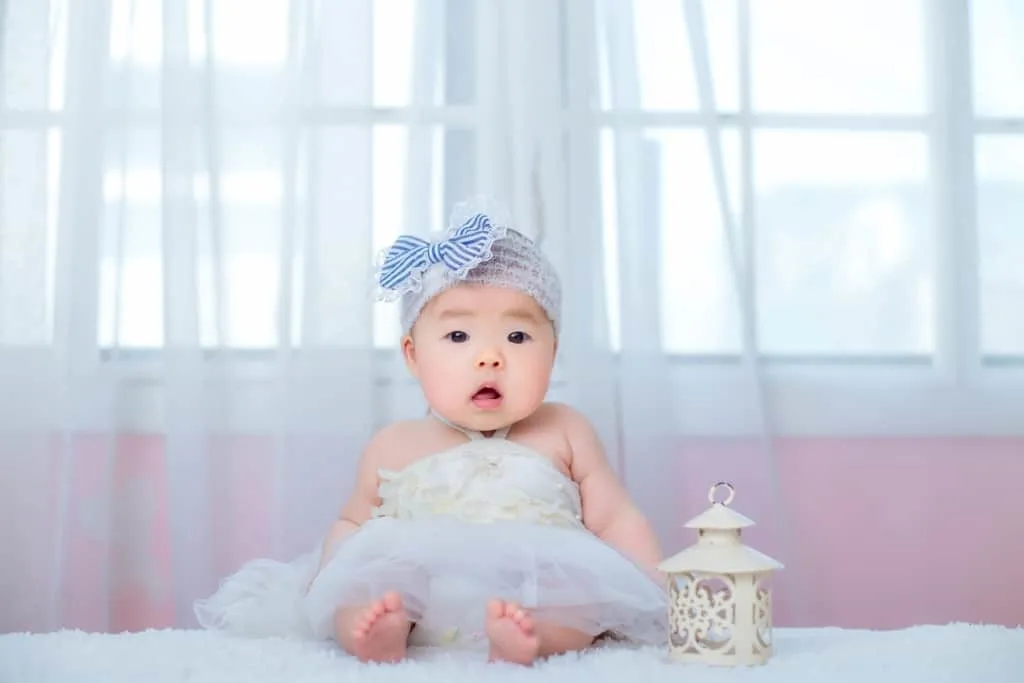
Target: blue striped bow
{"points": [[463, 249]]}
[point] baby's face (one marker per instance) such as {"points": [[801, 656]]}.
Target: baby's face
{"points": [[483, 355]]}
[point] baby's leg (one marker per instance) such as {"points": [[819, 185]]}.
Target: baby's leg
{"points": [[516, 638], [377, 632]]}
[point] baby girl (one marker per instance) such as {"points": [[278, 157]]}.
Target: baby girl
{"points": [[493, 522]]}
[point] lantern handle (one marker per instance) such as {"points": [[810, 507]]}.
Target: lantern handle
{"points": [[722, 484]]}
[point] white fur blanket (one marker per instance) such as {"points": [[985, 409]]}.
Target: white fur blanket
{"points": [[957, 653]]}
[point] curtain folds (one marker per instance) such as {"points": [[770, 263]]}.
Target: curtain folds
{"points": [[190, 357]]}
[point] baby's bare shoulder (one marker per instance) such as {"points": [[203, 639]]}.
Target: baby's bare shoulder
{"points": [[400, 443], [559, 417], [546, 431], [572, 428], [400, 429]]}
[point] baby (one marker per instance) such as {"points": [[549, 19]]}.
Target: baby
{"points": [[493, 522]]}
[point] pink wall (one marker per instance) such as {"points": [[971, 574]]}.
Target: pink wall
{"points": [[887, 532]]}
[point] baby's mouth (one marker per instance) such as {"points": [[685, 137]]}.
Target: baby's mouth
{"points": [[487, 398], [487, 393]]}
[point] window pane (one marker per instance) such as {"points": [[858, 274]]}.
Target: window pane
{"points": [[845, 243], [698, 306], [849, 57], [131, 301], [238, 248], [351, 191], [29, 167], [243, 33], [666, 78], [135, 33], [1000, 173], [241, 47], [996, 30], [357, 53], [423, 52], [32, 53]]}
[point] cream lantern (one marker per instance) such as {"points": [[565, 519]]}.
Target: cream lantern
{"points": [[719, 603]]}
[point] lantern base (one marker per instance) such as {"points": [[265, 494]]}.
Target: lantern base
{"points": [[720, 659]]}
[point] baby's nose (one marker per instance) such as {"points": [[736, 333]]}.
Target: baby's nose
{"points": [[490, 359]]}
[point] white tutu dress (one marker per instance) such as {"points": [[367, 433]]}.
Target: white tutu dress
{"points": [[486, 519]]}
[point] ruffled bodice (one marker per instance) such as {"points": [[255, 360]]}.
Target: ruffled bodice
{"points": [[483, 480]]}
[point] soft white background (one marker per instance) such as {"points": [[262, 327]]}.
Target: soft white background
{"points": [[771, 217]]}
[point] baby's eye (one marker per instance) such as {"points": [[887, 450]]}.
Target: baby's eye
{"points": [[518, 337], [457, 336]]}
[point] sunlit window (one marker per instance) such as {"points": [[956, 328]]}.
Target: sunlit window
{"points": [[827, 168], [999, 147]]}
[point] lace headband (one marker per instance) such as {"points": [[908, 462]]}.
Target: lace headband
{"points": [[479, 248]]}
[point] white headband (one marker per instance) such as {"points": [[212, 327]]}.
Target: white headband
{"points": [[479, 248]]}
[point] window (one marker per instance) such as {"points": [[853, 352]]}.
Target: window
{"points": [[245, 259], [29, 171], [245, 255], [825, 168], [999, 147], [827, 172]]}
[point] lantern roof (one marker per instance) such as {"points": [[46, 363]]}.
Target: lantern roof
{"points": [[719, 550], [719, 517]]}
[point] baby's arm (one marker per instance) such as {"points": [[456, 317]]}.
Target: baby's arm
{"points": [[608, 510], [357, 508]]}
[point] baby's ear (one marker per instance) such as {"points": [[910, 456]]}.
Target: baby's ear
{"points": [[409, 354]]}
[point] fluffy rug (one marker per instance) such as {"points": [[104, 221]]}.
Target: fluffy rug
{"points": [[927, 654]]}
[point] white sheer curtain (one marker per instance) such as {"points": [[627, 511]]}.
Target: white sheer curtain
{"points": [[191, 195]]}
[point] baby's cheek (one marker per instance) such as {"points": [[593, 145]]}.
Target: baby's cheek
{"points": [[535, 381], [446, 385], [436, 385]]}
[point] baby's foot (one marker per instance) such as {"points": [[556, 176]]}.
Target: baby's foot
{"points": [[381, 631], [510, 631]]}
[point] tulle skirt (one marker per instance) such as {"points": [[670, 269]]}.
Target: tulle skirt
{"points": [[446, 570]]}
